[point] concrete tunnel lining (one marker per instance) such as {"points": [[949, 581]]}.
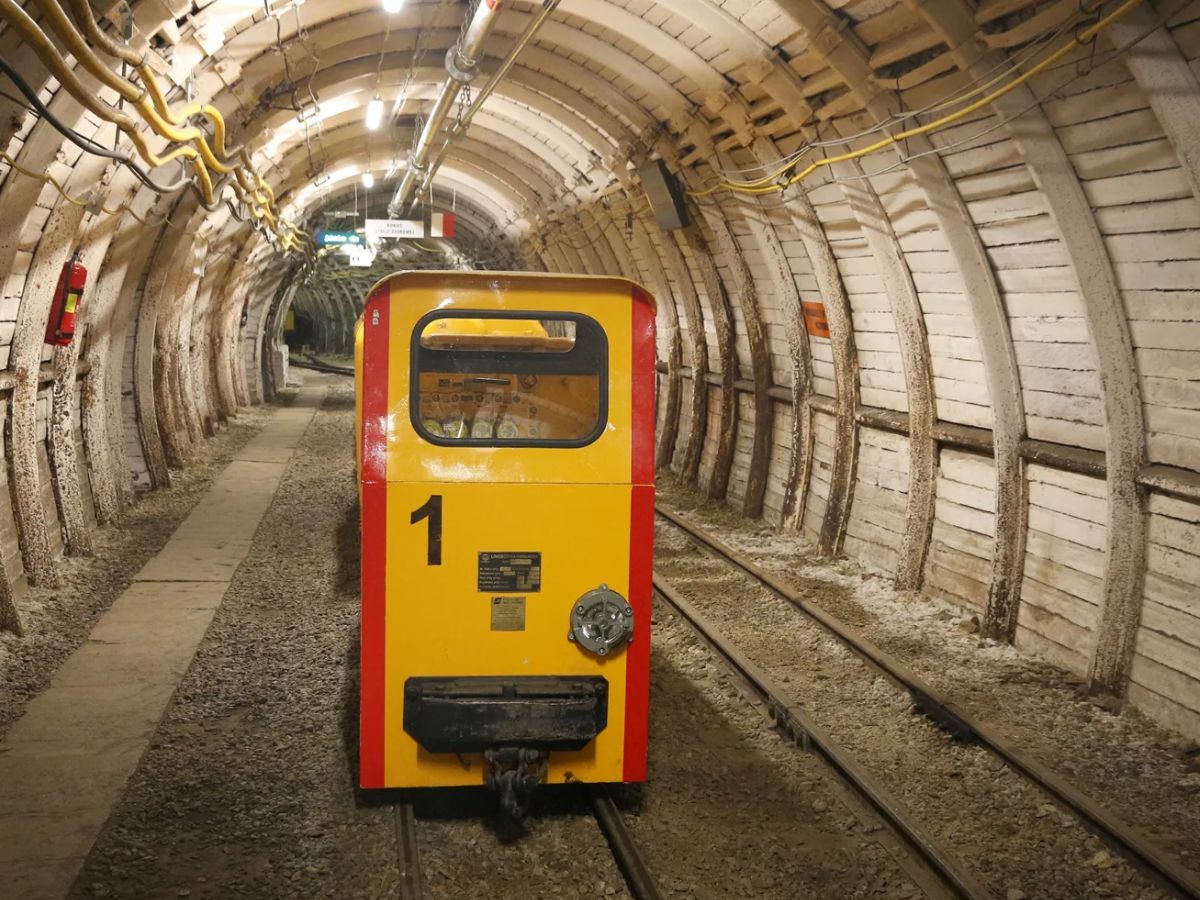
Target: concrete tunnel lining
{"points": [[1004, 414]]}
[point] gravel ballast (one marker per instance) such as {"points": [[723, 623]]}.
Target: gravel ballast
{"points": [[248, 788], [1023, 841], [732, 809]]}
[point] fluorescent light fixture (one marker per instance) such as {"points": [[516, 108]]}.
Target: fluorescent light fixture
{"points": [[368, 180], [375, 113], [393, 6]]}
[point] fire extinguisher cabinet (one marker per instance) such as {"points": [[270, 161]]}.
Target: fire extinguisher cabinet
{"points": [[64, 311]]}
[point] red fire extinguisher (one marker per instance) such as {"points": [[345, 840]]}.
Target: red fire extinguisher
{"points": [[60, 329]]}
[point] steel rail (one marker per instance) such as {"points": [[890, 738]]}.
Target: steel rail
{"points": [[948, 715], [411, 886], [315, 365], [624, 849], [801, 727]]}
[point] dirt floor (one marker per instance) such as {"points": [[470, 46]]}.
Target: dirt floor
{"points": [[1117, 756], [248, 787], [248, 790], [58, 620]]}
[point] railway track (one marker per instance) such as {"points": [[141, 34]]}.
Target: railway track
{"points": [[411, 885], [800, 726], [625, 850], [934, 704], [315, 365], [609, 819]]}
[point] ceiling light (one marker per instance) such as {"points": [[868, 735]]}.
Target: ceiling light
{"points": [[393, 6], [368, 180], [375, 113]]}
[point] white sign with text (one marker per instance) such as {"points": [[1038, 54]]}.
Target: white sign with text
{"points": [[395, 228]]}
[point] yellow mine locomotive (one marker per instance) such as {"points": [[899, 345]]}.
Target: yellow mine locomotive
{"points": [[506, 471]]}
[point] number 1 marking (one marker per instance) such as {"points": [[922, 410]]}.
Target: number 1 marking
{"points": [[432, 510]]}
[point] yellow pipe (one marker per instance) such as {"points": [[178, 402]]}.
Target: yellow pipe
{"points": [[150, 102], [195, 109], [55, 65], [83, 14], [150, 110], [79, 48], [164, 128]]}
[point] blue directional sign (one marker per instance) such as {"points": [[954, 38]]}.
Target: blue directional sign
{"points": [[340, 239]]}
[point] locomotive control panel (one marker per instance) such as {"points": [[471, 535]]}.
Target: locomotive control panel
{"points": [[498, 379]]}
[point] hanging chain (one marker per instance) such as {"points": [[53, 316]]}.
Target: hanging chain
{"points": [[464, 103]]}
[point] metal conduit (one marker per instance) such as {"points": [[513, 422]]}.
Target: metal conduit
{"points": [[460, 128], [462, 60]]}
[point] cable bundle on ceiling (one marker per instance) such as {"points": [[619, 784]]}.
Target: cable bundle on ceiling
{"points": [[789, 171], [187, 143]]}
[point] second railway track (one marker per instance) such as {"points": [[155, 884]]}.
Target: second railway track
{"points": [[798, 724], [314, 364], [941, 709], [610, 822]]}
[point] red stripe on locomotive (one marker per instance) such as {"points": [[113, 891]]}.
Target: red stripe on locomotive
{"points": [[373, 642], [641, 539]]}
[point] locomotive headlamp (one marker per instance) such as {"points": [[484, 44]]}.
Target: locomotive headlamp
{"points": [[601, 621]]}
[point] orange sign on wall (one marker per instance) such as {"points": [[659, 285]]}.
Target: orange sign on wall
{"points": [[814, 319]]}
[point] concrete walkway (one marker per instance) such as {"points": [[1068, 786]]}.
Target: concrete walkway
{"points": [[64, 764]]}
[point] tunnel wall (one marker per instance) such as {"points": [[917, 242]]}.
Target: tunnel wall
{"points": [[1004, 414], [1088, 225]]}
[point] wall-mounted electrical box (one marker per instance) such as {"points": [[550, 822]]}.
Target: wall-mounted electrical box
{"points": [[665, 194]]}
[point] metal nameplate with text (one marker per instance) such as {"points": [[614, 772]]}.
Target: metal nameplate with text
{"points": [[510, 573]]}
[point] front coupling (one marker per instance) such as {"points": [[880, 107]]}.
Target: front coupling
{"points": [[601, 621]]}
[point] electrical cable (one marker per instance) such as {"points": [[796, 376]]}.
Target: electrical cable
{"points": [[903, 161], [1079, 39], [56, 65], [771, 204], [38, 108], [44, 178], [155, 110], [50, 180]]}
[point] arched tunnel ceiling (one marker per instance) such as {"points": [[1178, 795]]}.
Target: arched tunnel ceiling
{"points": [[636, 65], [987, 208], [640, 66]]}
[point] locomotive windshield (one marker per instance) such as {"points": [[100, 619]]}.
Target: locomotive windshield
{"points": [[489, 379]]}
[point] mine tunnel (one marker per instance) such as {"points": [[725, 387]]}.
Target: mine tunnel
{"points": [[600, 448]]}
